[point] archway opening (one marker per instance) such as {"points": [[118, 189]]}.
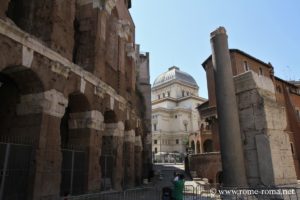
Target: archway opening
{"points": [[19, 128], [198, 147], [208, 146], [193, 146], [74, 136]]}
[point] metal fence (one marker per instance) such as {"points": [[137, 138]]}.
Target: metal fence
{"points": [[145, 193], [15, 160], [73, 172], [199, 192]]}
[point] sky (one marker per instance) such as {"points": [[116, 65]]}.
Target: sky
{"points": [[177, 32]]}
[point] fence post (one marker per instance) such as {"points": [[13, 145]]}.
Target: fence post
{"points": [[7, 151], [72, 172]]}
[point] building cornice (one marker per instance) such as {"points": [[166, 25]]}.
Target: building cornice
{"points": [[169, 83], [154, 102]]}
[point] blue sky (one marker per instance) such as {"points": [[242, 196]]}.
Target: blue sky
{"points": [[176, 32]]}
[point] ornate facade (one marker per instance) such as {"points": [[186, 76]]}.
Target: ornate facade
{"points": [[174, 115]]}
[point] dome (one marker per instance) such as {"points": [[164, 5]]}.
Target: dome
{"points": [[174, 73]]}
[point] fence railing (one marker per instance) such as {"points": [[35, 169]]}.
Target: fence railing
{"points": [[144, 193], [198, 192]]}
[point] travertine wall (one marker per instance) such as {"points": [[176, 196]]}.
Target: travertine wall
{"points": [[263, 122]]}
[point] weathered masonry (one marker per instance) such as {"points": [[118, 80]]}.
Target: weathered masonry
{"points": [[269, 116], [72, 116]]}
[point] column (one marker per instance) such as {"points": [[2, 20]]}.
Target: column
{"points": [[138, 148], [129, 167], [48, 107], [113, 139], [85, 129], [229, 129]]}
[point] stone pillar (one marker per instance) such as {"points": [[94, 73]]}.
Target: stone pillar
{"points": [[114, 133], [229, 128], [129, 167], [147, 155], [50, 106], [138, 148], [90, 34], [268, 154], [85, 129]]}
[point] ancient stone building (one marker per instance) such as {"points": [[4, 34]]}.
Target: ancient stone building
{"points": [[174, 114], [268, 109], [70, 116]]}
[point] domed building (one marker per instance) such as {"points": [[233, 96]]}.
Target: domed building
{"points": [[174, 114]]}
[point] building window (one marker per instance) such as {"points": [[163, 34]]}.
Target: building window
{"points": [[168, 94], [260, 71], [175, 116], [158, 96], [155, 150], [182, 93], [292, 148], [246, 66], [164, 95], [185, 127], [155, 141], [187, 93], [154, 127], [177, 141]]}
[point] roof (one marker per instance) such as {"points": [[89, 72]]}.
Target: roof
{"points": [[174, 73], [240, 52]]}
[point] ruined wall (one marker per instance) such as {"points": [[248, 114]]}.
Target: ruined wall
{"points": [[209, 168], [54, 70], [263, 122]]}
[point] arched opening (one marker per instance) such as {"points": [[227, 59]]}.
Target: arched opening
{"points": [[219, 177], [198, 147], [74, 142], [208, 146], [192, 146], [19, 128], [16, 12]]}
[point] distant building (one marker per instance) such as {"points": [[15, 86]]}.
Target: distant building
{"points": [[174, 114]]}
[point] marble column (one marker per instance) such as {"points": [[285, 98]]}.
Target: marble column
{"points": [[229, 129]]}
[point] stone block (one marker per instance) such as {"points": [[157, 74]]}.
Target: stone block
{"points": [[265, 163], [246, 119]]}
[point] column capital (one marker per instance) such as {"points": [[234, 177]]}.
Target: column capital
{"points": [[90, 119], [129, 136], [114, 129], [138, 141], [50, 102]]}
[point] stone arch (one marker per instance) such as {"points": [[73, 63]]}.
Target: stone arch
{"points": [[198, 147], [208, 146], [18, 85], [20, 121], [75, 131]]}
